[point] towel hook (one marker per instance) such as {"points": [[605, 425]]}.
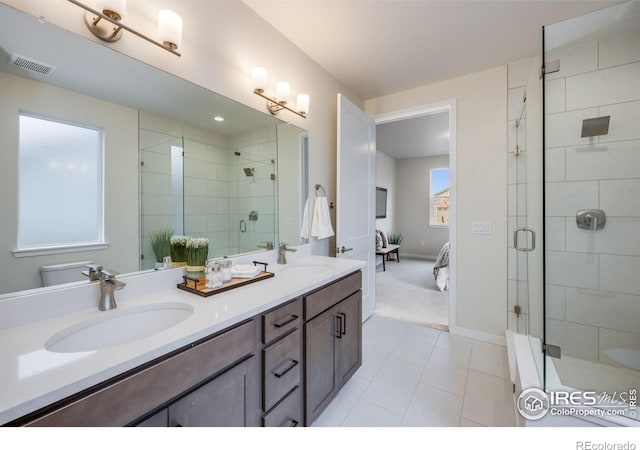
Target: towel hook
{"points": [[319, 187]]}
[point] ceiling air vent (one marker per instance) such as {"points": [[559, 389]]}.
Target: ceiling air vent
{"points": [[31, 65]]}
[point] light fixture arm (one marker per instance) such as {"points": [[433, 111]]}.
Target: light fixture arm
{"points": [[120, 26], [274, 106]]}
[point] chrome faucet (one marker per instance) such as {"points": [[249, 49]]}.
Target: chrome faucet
{"points": [[108, 286], [282, 250], [268, 245], [93, 271]]}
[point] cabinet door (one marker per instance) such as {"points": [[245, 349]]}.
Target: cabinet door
{"points": [[349, 337], [319, 363], [229, 400]]}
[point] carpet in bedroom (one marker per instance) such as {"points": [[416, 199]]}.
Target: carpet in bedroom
{"points": [[407, 291]]}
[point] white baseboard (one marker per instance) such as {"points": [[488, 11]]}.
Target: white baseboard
{"points": [[479, 335], [414, 256]]}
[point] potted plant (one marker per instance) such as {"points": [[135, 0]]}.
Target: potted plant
{"points": [[197, 253], [394, 238], [179, 250], [161, 246]]}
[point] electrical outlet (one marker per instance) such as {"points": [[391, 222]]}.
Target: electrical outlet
{"points": [[481, 227]]}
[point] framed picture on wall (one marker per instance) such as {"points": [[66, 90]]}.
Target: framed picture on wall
{"points": [[381, 203]]}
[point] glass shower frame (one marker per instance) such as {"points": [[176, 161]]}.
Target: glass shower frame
{"points": [[586, 306]]}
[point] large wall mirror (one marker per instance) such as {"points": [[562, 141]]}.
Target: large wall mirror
{"points": [[153, 153]]}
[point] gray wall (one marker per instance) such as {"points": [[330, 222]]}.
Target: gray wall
{"points": [[412, 211]]}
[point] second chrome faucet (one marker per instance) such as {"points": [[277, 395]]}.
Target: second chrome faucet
{"points": [[282, 252]]}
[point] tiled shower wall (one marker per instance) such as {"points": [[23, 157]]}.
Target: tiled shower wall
{"points": [[217, 193], [258, 150], [593, 277]]}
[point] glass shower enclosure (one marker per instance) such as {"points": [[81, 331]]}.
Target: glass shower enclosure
{"points": [[575, 212]]}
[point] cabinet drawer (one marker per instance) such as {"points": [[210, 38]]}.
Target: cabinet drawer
{"points": [[128, 399], [279, 321], [324, 298], [287, 414], [282, 362]]}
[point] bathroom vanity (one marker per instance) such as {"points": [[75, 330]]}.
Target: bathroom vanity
{"points": [[274, 353]]}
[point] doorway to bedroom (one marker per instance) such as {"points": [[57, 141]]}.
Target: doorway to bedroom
{"points": [[415, 214]]}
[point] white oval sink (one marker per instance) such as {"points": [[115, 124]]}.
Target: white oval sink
{"points": [[117, 327]]}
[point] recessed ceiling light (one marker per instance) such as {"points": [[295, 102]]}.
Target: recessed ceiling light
{"points": [[218, 119]]}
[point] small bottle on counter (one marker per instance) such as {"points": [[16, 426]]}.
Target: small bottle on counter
{"points": [[225, 263]]}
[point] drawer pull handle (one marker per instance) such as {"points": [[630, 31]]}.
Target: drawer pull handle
{"points": [[286, 322], [339, 327], [343, 331], [291, 366], [294, 423]]}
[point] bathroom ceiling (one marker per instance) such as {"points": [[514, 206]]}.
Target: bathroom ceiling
{"points": [[381, 47], [417, 137]]}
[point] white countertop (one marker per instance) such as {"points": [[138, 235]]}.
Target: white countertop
{"points": [[33, 377]]}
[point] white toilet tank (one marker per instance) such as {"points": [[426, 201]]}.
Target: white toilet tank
{"points": [[63, 273]]}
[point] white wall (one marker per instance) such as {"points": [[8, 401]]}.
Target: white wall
{"points": [[481, 189], [412, 219], [222, 62], [120, 126], [386, 178]]}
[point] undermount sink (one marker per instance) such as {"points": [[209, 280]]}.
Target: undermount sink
{"points": [[302, 269], [118, 327]]}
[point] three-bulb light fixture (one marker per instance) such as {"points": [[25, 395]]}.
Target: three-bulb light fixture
{"points": [[105, 23], [283, 94]]}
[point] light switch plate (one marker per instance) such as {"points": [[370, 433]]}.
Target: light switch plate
{"points": [[481, 227]]}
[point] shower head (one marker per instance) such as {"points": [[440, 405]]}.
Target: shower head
{"points": [[248, 171], [598, 126]]}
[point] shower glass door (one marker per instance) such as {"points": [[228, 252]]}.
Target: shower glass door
{"points": [[592, 203]]}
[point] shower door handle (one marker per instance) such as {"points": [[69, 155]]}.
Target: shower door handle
{"points": [[515, 239], [243, 226]]}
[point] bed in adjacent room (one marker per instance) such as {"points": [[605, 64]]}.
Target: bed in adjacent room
{"points": [[441, 268]]}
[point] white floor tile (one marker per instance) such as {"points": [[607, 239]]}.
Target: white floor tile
{"points": [[394, 386], [366, 414], [459, 346], [433, 407], [488, 400], [424, 330], [415, 348], [344, 402], [489, 358], [446, 371]]}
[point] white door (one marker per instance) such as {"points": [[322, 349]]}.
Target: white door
{"points": [[355, 214]]}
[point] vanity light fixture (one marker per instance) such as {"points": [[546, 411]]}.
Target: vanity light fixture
{"points": [[283, 94], [104, 22]]}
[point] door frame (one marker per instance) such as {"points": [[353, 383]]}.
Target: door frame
{"points": [[449, 105]]}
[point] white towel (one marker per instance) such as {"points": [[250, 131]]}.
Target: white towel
{"points": [[245, 271], [321, 223], [304, 230]]}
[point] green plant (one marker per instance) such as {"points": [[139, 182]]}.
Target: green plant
{"points": [[161, 243], [197, 251], [394, 238], [179, 249]]}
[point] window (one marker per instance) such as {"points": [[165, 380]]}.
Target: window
{"points": [[439, 197], [60, 186]]}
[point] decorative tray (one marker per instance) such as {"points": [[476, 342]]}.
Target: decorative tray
{"points": [[198, 285]]}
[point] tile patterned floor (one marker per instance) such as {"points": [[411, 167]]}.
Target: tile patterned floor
{"points": [[414, 376]]}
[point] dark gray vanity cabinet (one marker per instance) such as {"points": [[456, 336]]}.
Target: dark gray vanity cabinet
{"points": [[220, 368], [229, 400], [333, 341], [282, 365]]}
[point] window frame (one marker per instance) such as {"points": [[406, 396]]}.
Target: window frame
{"points": [[100, 243], [433, 224]]}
